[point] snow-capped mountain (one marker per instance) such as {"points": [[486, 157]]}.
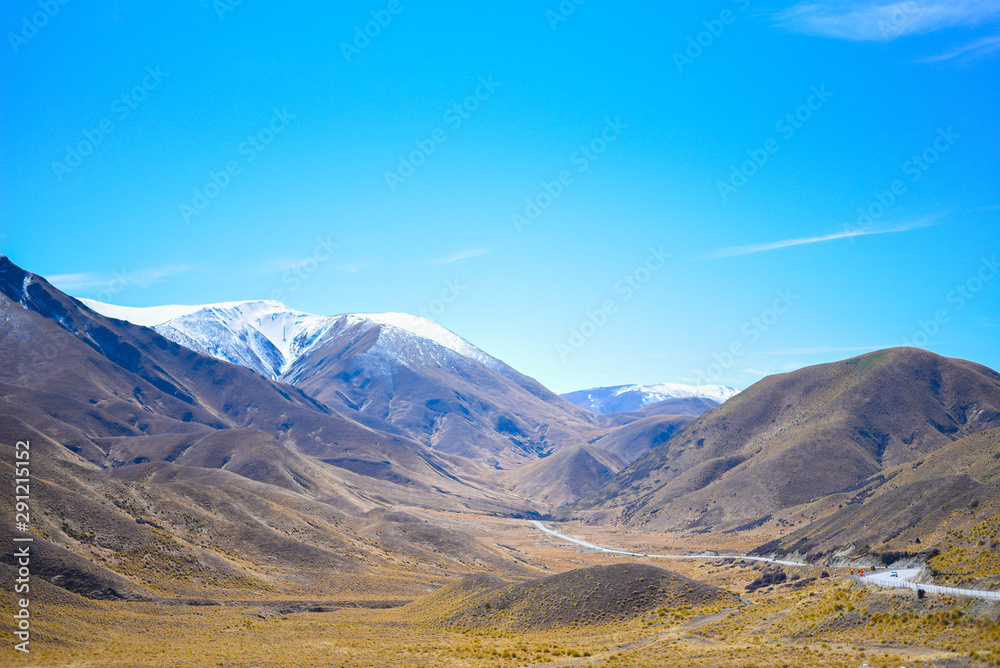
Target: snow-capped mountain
{"points": [[396, 369], [269, 337], [622, 398]]}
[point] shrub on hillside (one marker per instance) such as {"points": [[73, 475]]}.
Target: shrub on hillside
{"points": [[769, 578]]}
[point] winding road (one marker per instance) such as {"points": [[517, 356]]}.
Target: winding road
{"points": [[880, 578], [583, 543]]}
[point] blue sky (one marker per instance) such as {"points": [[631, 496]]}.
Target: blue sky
{"points": [[598, 194]]}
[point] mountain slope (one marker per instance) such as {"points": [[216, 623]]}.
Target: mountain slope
{"points": [[267, 336], [401, 373], [576, 471], [104, 379], [198, 474], [682, 406], [907, 508], [634, 439], [446, 400], [793, 437], [569, 474]]}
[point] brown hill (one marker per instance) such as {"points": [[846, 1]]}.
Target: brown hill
{"points": [[577, 471], [580, 470], [596, 595], [794, 437], [634, 439], [565, 476], [906, 509]]}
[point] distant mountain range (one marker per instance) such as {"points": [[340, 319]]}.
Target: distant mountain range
{"points": [[624, 398], [411, 376]]}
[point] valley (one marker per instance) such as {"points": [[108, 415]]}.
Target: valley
{"points": [[241, 483], [811, 619]]}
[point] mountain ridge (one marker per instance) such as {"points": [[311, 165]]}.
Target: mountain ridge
{"points": [[290, 332], [396, 372], [793, 437]]}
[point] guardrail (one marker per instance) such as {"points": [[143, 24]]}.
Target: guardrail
{"points": [[930, 589]]}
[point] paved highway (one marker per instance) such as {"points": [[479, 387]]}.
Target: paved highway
{"points": [[881, 578], [903, 581], [884, 578], [583, 543]]}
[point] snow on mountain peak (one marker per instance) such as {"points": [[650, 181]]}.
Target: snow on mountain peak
{"points": [[268, 336], [146, 316], [429, 329]]}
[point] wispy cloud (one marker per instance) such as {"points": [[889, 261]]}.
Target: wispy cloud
{"points": [[462, 256], [88, 281], [977, 49], [70, 282], [733, 251], [878, 21]]}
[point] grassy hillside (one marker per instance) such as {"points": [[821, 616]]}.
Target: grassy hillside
{"points": [[795, 437], [945, 502]]}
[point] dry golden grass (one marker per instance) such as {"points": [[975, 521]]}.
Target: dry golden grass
{"points": [[969, 558], [779, 631], [826, 622]]}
